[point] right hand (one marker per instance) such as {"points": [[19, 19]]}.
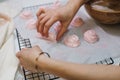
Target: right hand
{"points": [[47, 17]]}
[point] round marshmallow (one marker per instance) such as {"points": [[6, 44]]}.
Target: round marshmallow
{"points": [[72, 41], [31, 24], [51, 37], [77, 21], [38, 35], [90, 36], [26, 15], [57, 26]]}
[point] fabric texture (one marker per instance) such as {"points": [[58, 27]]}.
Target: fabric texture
{"points": [[9, 10], [8, 60]]}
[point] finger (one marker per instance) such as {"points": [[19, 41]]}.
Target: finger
{"points": [[41, 10], [37, 26], [48, 24], [18, 54], [21, 64], [40, 29], [44, 20], [23, 49], [61, 33], [41, 17], [42, 23]]}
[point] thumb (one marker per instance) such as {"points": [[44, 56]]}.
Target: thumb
{"points": [[18, 54]]}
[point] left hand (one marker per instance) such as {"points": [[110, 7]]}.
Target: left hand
{"points": [[27, 57]]}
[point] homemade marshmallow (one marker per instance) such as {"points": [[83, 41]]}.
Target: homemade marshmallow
{"points": [[72, 41], [90, 36]]}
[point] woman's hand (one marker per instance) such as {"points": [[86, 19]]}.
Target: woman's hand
{"points": [[47, 17], [27, 57]]}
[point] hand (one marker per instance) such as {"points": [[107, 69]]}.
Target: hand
{"points": [[27, 57], [47, 17]]}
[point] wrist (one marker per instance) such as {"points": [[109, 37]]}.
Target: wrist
{"points": [[42, 62], [74, 6]]}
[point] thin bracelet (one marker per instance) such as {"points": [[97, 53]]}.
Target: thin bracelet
{"points": [[36, 67]]}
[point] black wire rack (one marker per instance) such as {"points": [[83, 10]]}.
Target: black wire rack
{"points": [[25, 43], [108, 61]]}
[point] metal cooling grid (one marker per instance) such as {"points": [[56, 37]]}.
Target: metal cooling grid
{"points": [[25, 43], [108, 61]]}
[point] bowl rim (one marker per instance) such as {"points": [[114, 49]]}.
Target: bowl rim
{"points": [[117, 12], [89, 4]]}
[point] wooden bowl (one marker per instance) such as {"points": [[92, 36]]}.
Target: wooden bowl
{"points": [[104, 11]]}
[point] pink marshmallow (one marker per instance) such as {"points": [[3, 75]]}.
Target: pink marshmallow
{"points": [[51, 38], [90, 36], [26, 15], [77, 21], [57, 26], [38, 35], [31, 24], [72, 41]]}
